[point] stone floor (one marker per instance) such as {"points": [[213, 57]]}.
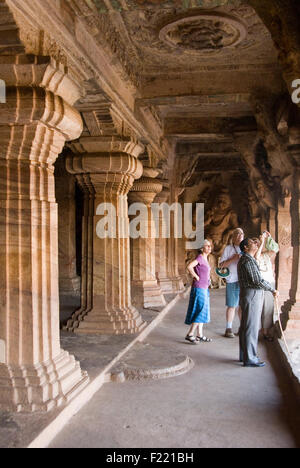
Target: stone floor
{"points": [[214, 402], [217, 403]]}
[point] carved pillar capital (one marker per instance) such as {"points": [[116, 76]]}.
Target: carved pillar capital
{"points": [[145, 190], [112, 173], [106, 145], [163, 196], [39, 71], [33, 105]]}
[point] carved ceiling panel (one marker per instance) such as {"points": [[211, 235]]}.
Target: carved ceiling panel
{"points": [[207, 33], [181, 40], [103, 6]]}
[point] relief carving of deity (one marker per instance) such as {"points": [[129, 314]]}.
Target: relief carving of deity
{"points": [[220, 221], [207, 32], [203, 34]]}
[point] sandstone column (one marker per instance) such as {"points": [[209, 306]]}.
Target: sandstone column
{"points": [[145, 289], [292, 308], [35, 373], [182, 253], [107, 177], [162, 247], [69, 282], [86, 249], [172, 246], [285, 250]]}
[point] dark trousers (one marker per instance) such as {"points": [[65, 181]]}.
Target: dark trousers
{"points": [[251, 302]]}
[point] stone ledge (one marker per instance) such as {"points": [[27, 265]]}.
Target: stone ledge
{"points": [[291, 361]]}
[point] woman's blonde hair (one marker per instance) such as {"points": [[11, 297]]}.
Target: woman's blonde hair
{"points": [[206, 241], [234, 234]]}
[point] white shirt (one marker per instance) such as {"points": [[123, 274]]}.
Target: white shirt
{"points": [[266, 268], [229, 251]]}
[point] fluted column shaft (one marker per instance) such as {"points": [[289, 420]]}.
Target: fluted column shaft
{"points": [[162, 247], [145, 289], [109, 177], [172, 248], [69, 281], [35, 373]]}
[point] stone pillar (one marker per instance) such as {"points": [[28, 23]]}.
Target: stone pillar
{"points": [[284, 226], [106, 179], [86, 250], [182, 253], [35, 373], [145, 289], [272, 222], [182, 260], [69, 282], [172, 248], [161, 262], [292, 308]]}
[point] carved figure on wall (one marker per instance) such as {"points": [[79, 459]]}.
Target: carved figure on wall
{"points": [[266, 198], [220, 221], [262, 164], [255, 210]]}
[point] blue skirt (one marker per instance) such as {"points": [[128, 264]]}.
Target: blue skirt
{"points": [[232, 294], [199, 307]]}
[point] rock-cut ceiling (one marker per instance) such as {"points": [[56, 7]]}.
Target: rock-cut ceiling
{"points": [[160, 38], [192, 59]]}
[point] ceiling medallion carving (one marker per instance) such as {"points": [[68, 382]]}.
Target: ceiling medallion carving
{"points": [[206, 33]]}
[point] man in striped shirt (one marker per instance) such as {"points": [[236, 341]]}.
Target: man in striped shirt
{"points": [[252, 287]]}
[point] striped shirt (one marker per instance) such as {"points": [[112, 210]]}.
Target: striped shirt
{"points": [[249, 274]]}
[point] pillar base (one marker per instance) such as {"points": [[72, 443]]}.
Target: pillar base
{"points": [[123, 322], [147, 294], [178, 285], [166, 285], [171, 285], [42, 387]]}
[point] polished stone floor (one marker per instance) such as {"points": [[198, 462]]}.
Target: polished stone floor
{"points": [[218, 403]]}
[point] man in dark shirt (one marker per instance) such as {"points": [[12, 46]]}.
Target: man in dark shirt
{"points": [[252, 287]]}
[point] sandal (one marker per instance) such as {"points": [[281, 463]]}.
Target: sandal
{"points": [[191, 339], [204, 339]]}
